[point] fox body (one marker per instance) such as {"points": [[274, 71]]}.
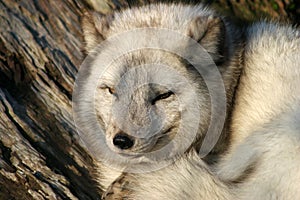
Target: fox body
{"points": [[260, 142]]}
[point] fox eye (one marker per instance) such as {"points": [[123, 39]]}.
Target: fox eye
{"points": [[162, 96], [109, 89]]}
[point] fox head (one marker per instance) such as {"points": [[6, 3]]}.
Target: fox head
{"points": [[146, 97], [140, 101]]}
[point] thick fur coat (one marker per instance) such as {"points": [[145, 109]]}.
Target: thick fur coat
{"points": [[260, 143]]}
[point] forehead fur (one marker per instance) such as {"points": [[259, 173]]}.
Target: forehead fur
{"points": [[196, 22], [158, 15], [144, 58]]}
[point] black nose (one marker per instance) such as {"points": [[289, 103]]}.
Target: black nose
{"points": [[122, 141]]}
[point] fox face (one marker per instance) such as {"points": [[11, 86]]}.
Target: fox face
{"points": [[148, 99], [140, 102]]}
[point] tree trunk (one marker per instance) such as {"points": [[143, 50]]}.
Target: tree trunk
{"points": [[40, 53]]}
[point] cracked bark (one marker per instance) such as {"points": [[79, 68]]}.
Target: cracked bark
{"points": [[39, 57], [40, 53]]}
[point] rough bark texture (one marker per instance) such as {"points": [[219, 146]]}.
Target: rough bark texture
{"points": [[40, 53], [39, 57]]}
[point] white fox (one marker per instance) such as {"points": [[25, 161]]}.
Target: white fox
{"points": [[260, 144]]}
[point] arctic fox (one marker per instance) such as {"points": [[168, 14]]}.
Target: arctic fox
{"points": [[260, 141], [147, 97], [263, 161]]}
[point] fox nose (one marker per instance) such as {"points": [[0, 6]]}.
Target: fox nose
{"points": [[122, 141]]}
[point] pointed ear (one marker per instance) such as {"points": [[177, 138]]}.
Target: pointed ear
{"points": [[209, 31], [95, 27]]}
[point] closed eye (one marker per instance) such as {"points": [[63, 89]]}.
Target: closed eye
{"points": [[162, 96], [109, 89]]}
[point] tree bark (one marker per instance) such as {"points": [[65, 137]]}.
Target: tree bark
{"points": [[40, 53]]}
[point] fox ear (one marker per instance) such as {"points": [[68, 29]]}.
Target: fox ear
{"points": [[210, 33], [95, 27]]}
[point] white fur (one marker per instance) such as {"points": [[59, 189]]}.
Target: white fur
{"points": [[263, 162], [266, 130], [266, 118], [195, 21], [188, 178], [267, 138], [270, 80]]}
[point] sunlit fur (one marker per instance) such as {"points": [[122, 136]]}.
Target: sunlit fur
{"points": [[197, 22], [265, 147], [263, 160]]}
